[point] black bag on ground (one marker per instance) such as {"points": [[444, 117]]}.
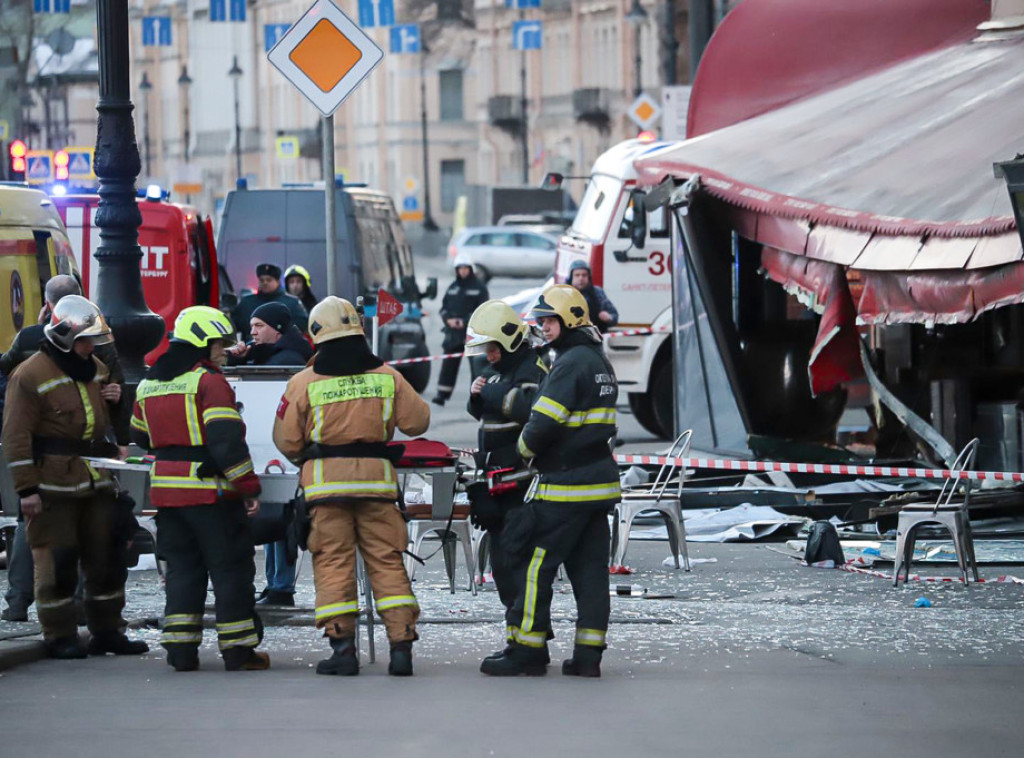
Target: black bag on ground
{"points": [[823, 544]]}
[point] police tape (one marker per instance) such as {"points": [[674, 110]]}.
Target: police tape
{"points": [[820, 468]]}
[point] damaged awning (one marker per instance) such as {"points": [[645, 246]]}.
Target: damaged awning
{"points": [[889, 176]]}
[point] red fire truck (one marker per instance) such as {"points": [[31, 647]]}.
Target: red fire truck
{"points": [[179, 260]]}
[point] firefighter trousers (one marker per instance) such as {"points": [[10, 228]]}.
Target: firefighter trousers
{"points": [[503, 565], [212, 543], [377, 528], [69, 532], [574, 536]]}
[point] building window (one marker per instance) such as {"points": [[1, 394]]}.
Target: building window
{"points": [[451, 95], [453, 183]]}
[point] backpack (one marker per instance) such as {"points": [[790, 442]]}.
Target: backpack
{"points": [[823, 544]]}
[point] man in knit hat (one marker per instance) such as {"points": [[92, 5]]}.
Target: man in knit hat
{"points": [[275, 339], [268, 290]]}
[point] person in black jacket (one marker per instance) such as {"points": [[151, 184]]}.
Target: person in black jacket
{"points": [[268, 290], [299, 284], [463, 297], [603, 313], [501, 398], [275, 340], [565, 521]]}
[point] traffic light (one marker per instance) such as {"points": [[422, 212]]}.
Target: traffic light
{"points": [[60, 165], [18, 151]]}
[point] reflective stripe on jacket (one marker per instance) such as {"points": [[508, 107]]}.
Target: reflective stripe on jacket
{"points": [[43, 401], [194, 410], [342, 410]]}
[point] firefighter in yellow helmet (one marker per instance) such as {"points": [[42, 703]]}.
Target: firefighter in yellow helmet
{"points": [[501, 398], [329, 422], [204, 487], [55, 417], [299, 284], [568, 438]]}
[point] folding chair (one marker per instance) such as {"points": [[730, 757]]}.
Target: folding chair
{"points": [[422, 524], [637, 500], [944, 512]]}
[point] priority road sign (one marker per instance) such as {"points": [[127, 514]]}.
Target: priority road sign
{"points": [[325, 55], [39, 166], [80, 163], [644, 111], [287, 147]]}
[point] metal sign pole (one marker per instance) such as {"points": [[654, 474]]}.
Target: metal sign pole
{"points": [[376, 330], [329, 203]]}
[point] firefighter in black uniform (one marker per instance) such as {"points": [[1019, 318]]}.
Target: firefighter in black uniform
{"points": [[463, 297], [501, 398], [565, 520]]}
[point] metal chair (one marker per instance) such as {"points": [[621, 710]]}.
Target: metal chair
{"points": [[421, 525], [944, 512], [637, 500]]}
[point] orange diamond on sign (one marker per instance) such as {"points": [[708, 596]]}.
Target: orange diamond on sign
{"points": [[644, 111], [325, 55]]}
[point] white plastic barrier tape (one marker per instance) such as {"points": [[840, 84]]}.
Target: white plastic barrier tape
{"points": [[425, 358], [821, 468]]}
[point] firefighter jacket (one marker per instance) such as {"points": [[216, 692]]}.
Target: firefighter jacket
{"points": [[572, 423], [51, 420], [503, 405], [359, 411], [463, 297], [193, 428]]}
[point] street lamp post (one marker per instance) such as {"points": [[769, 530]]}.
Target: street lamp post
{"points": [[428, 219], [145, 87], [236, 73], [119, 281], [185, 81], [637, 17]]}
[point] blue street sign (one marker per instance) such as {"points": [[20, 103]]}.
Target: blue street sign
{"points": [[79, 163], [39, 167], [376, 13], [236, 10], [58, 6], [410, 203], [218, 10], [272, 33], [521, 4], [41, 6], [405, 38], [62, 6], [526, 35], [156, 31]]}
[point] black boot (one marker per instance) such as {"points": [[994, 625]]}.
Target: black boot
{"points": [[439, 399], [508, 646], [277, 598], [183, 657], [240, 658], [516, 660], [66, 648], [585, 661], [12, 613], [114, 641], [401, 659], [343, 662]]}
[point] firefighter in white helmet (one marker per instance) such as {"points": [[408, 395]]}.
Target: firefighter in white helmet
{"points": [[463, 297], [330, 423]]}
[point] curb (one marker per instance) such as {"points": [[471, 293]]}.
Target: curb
{"points": [[16, 652]]}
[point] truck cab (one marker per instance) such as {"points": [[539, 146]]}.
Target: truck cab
{"points": [[286, 226], [637, 279], [179, 259]]}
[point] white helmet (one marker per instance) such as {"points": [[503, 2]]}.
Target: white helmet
{"points": [[462, 259], [75, 318]]}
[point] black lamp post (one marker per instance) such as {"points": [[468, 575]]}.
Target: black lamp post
{"points": [[428, 219], [236, 73], [185, 81], [637, 17], [145, 87], [1013, 173], [119, 292]]}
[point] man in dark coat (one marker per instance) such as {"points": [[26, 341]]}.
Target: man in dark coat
{"points": [[268, 290], [602, 312]]}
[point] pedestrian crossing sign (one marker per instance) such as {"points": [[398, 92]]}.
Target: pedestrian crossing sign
{"points": [[80, 163], [39, 166]]}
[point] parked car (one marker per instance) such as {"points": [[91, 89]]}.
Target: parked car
{"points": [[506, 251]]}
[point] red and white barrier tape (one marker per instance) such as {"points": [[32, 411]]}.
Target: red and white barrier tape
{"points": [[821, 468], [424, 359]]}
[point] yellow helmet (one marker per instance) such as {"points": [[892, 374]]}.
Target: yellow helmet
{"points": [[74, 318], [201, 325], [566, 302], [494, 321], [297, 270], [333, 318]]}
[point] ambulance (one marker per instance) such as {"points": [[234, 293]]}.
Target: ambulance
{"points": [[179, 260], [638, 281]]}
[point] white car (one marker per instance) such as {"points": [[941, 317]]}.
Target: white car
{"points": [[506, 251]]}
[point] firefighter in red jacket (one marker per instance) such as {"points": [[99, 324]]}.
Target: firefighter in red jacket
{"points": [[204, 488]]}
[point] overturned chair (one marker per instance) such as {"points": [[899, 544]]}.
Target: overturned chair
{"points": [[656, 498], [945, 511]]}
